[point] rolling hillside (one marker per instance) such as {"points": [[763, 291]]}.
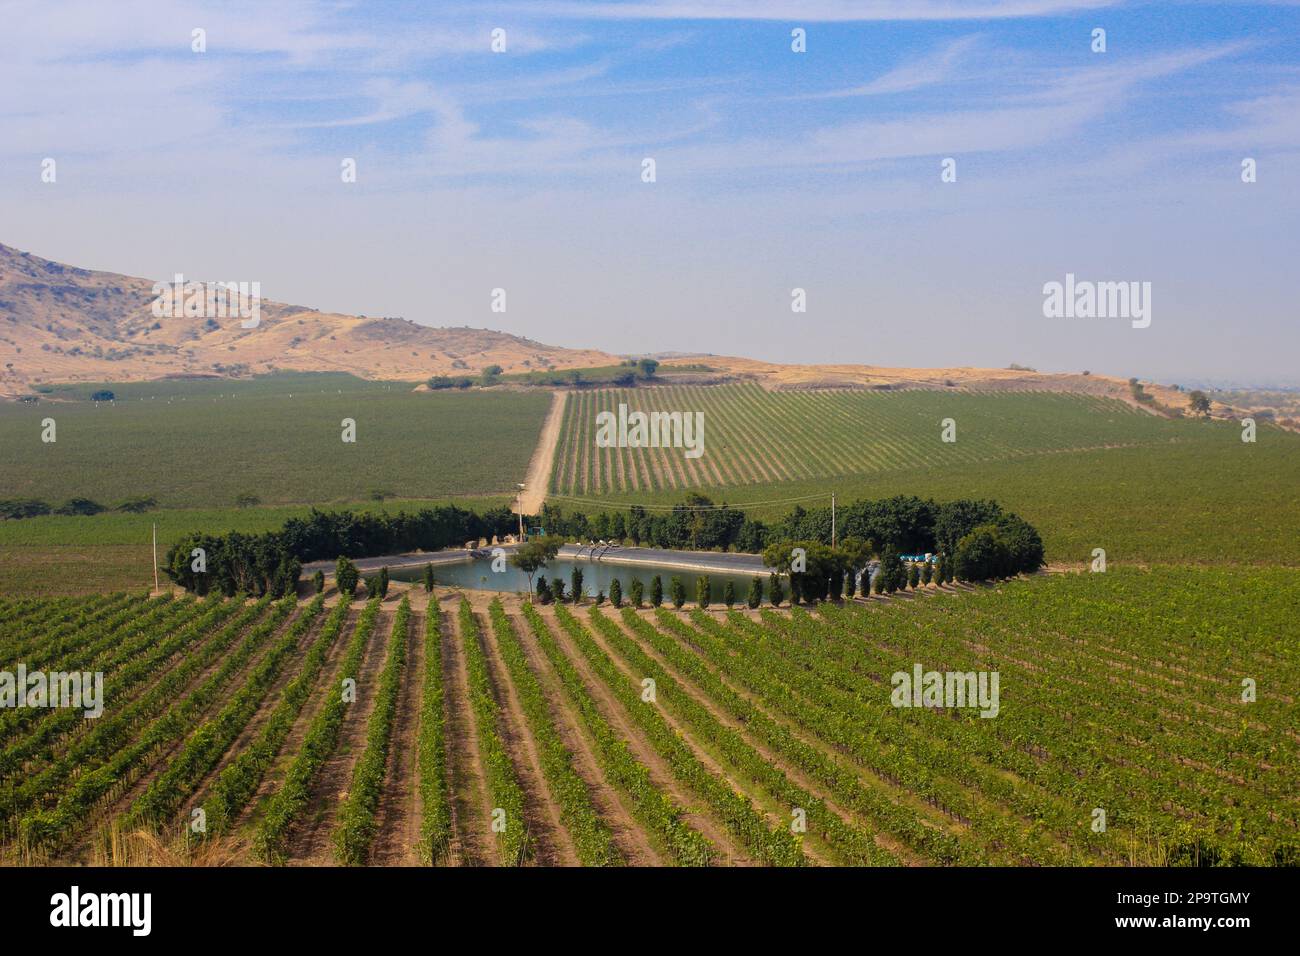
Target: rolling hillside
{"points": [[59, 323]]}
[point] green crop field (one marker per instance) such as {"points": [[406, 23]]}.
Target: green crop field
{"points": [[1137, 718], [753, 436], [1088, 473], [279, 438]]}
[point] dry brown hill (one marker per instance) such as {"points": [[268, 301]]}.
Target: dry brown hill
{"points": [[59, 323]]}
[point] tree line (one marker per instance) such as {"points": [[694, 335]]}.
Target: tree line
{"points": [[271, 562], [978, 540]]}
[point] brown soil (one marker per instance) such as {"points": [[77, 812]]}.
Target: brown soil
{"points": [[310, 841], [552, 844], [397, 820], [632, 841], [131, 786], [731, 852], [293, 743], [472, 840]]}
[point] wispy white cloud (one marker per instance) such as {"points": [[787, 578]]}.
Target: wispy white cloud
{"points": [[809, 11], [937, 67]]}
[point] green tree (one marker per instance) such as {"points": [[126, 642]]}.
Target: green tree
{"points": [[557, 589], [927, 572], [346, 575], [678, 592], [981, 555], [616, 593], [80, 506], [543, 591], [656, 591], [775, 591], [878, 585], [913, 577], [637, 592], [533, 555], [647, 367], [575, 585], [428, 577], [702, 590], [383, 581], [755, 592], [729, 594], [138, 505], [1199, 402], [318, 581]]}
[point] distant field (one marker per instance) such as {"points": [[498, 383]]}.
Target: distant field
{"points": [[753, 436], [1088, 473], [200, 444]]}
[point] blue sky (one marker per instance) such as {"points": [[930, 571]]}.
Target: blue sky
{"points": [[775, 169]]}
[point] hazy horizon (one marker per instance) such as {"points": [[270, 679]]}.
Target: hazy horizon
{"points": [[775, 170]]}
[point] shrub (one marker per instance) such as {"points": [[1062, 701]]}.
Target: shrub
{"points": [[775, 592], [346, 576], [318, 581], [656, 591], [80, 506], [755, 593], [383, 581], [637, 592], [428, 577], [729, 594], [23, 508], [677, 590], [616, 593], [575, 585], [138, 505]]}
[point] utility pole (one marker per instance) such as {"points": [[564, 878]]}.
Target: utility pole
{"points": [[832, 519], [155, 556]]}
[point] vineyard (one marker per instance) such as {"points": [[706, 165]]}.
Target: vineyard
{"points": [[756, 436], [1078, 468], [1142, 719]]}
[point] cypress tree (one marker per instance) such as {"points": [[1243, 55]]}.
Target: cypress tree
{"points": [[616, 593], [776, 591], [729, 594], [656, 591], [637, 592], [755, 592], [702, 590]]}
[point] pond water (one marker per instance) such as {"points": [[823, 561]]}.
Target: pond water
{"points": [[596, 576]]}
